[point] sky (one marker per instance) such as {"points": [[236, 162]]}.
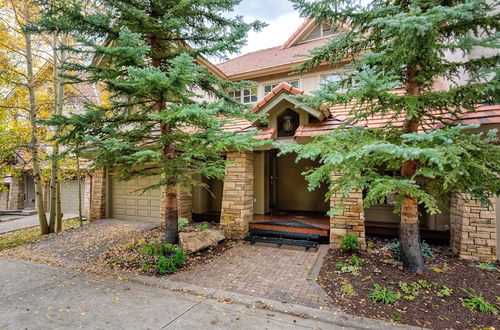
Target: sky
{"points": [[280, 16]]}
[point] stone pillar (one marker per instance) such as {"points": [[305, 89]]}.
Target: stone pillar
{"points": [[184, 205], [4, 200], [350, 220], [87, 195], [473, 229], [98, 196], [16, 194], [237, 195]]}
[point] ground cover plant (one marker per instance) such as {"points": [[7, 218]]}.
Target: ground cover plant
{"points": [[452, 294], [147, 254], [29, 235]]}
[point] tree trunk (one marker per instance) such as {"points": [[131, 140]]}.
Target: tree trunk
{"points": [[59, 214], [171, 213], [409, 231], [42, 217]]}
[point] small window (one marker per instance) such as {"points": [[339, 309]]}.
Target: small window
{"points": [[270, 87], [247, 95], [330, 78], [250, 95]]}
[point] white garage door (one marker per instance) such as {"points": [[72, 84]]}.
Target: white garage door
{"points": [[129, 202], [69, 196]]}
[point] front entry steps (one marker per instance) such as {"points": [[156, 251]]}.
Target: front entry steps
{"points": [[283, 238], [18, 212]]}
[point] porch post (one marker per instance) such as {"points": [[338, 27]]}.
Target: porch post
{"points": [[473, 229], [237, 195], [350, 220], [16, 194]]}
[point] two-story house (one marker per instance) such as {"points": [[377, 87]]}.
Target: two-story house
{"points": [[266, 192]]}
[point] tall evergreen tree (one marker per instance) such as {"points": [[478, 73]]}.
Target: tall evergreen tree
{"points": [[166, 112], [404, 44]]}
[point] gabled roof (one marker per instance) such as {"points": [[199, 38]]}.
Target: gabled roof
{"points": [[284, 91], [275, 57]]}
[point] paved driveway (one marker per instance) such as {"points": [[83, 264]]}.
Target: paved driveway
{"points": [[16, 222], [275, 273], [38, 296]]}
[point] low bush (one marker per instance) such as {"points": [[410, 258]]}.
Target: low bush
{"points": [[476, 301], [349, 243], [167, 257], [427, 252], [348, 289], [382, 294], [444, 292], [182, 223]]}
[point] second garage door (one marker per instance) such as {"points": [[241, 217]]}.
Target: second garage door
{"points": [[129, 202]]}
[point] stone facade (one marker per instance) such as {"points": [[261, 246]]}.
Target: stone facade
{"points": [[184, 205], [473, 229], [98, 195], [16, 194], [87, 193], [4, 200], [350, 220], [237, 195]]}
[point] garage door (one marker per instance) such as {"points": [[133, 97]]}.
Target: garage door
{"points": [[69, 196], [128, 202]]}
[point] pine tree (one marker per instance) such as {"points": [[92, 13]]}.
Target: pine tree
{"points": [[404, 44], [166, 112]]}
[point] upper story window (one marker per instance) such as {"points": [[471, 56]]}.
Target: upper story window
{"points": [[320, 31], [270, 87], [330, 78], [245, 96]]}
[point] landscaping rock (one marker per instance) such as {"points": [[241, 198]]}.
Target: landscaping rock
{"points": [[198, 240]]}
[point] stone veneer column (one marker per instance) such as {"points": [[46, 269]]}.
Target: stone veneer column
{"points": [[16, 194], [87, 195], [4, 200], [237, 195], [351, 220], [473, 229], [98, 196], [184, 205]]}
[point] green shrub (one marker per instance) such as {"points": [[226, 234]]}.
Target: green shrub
{"points": [[353, 270], [411, 290], [349, 243], [382, 294], [339, 265], [426, 250], [168, 258], [202, 227], [183, 223], [476, 301], [347, 289], [444, 292], [356, 261]]}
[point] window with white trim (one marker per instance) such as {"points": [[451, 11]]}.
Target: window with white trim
{"points": [[330, 78], [245, 96], [270, 87]]}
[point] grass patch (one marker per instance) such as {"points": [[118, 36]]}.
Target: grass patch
{"points": [[28, 235]]}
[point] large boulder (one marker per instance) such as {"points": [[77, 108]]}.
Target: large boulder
{"points": [[193, 241]]}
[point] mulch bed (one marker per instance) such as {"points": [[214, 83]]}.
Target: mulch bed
{"points": [[128, 256], [427, 309]]}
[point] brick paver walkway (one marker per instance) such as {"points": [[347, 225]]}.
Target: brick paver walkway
{"points": [[268, 272]]}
